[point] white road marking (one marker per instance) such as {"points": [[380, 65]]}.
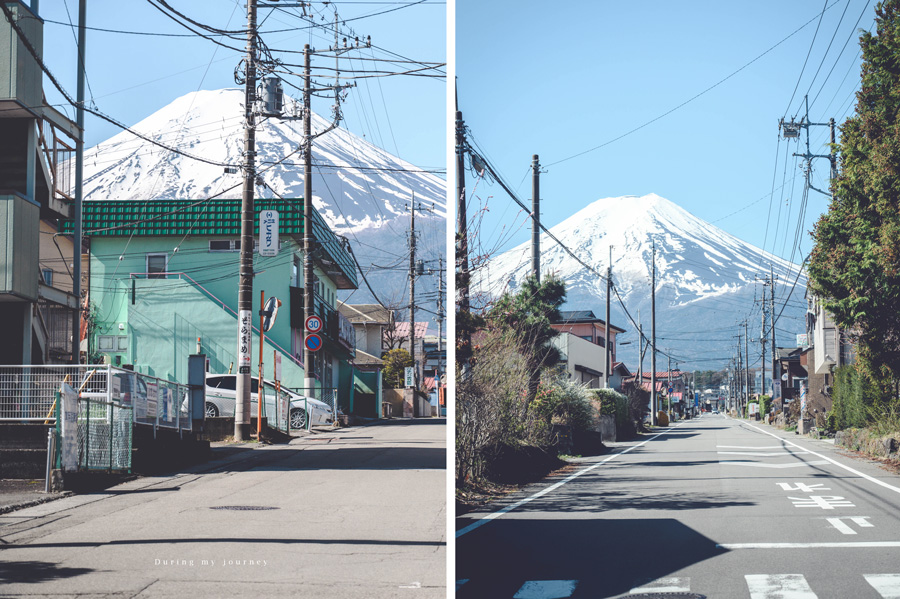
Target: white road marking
{"points": [[836, 463], [764, 465], [553, 487], [413, 585], [546, 589], [826, 502], [750, 447], [778, 586], [844, 545], [762, 454], [803, 487], [887, 585], [461, 582], [862, 521], [665, 585], [839, 524]]}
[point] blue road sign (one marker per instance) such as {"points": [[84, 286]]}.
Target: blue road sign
{"points": [[313, 342]]}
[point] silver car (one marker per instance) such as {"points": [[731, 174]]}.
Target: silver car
{"points": [[221, 393]]}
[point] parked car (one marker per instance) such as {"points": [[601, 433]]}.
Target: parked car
{"points": [[221, 392]]}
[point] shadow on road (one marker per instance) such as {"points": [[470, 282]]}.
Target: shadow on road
{"points": [[606, 557], [36, 572]]}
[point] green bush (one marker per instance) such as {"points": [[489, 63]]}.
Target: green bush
{"points": [[560, 400], [854, 397], [613, 403]]}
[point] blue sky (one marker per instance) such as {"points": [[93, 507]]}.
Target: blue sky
{"points": [[130, 76], [560, 80]]}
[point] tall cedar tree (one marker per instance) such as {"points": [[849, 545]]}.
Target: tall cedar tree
{"points": [[527, 316], [855, 264]]}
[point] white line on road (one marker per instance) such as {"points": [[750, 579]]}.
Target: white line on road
{"points": [[887, 585], [764, 465], [665, 585], [836, 463], [762, 454], [839, 524], [779, 586], [845, 545], [546, 589], [553, 487], [750, 447]]}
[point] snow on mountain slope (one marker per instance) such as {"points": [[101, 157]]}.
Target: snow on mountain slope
{"points": [[706, 279], [210, 124]]}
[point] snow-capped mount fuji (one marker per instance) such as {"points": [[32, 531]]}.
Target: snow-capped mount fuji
{"points": [[706, 279], [368, 192], [361, 190]]}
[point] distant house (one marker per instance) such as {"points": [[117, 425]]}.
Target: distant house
{"points": [[581, 344], [164, 279], [369, 322], [665, 380]]}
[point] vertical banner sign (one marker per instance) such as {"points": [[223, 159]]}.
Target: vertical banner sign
{"points": [[69, 428], [268, 233], [802, 399], [244, 342], [408, 372]]}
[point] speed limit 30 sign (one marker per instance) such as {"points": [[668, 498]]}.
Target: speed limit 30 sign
{"points": [[314, 324]]}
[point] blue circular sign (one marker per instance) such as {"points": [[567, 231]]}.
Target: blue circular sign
{"points": [[313, 342]]}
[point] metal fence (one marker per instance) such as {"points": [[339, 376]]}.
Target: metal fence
{"points": [[104, 435], [314, 416], [29, 393]]}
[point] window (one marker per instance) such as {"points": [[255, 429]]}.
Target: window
{"points": [[112, 343], [157, 266], [47, 275], [220, 245]]}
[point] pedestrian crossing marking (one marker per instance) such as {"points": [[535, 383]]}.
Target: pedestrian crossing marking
{"points": [[546, 589], [760, 586], [779, 586], [665, 585], [887, 585]]}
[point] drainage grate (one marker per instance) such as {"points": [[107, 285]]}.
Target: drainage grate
{"points": [[243, 508]]}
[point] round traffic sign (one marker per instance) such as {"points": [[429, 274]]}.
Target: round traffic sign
{"points": [[314, 324], [313, 342]]}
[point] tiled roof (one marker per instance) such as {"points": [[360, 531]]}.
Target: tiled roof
{"points": [[401, 329]]}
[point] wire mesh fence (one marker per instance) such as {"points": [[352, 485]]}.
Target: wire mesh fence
{"points": [[104, 435]]}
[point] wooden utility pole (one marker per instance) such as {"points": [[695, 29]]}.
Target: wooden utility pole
{"points": [[653, 336], [606, 366], [79, 183], [245, 285], [462, 250], [412, 288], [536, 217]]}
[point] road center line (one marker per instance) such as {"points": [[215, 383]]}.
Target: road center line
{"points": [[553, 487], [836, 463]]}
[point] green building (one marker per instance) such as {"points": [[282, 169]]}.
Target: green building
{"points": [[164, 278]]}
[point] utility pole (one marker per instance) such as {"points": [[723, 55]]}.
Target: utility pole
{"points": [[245, 284], [309, 240], [668, 383], [653, 336], [412, 288], [462, 249], [762, 342], [640, 350], [606, 366], [776, 376], [79, 183], [747, 360], [536, 217], [740, 373]]}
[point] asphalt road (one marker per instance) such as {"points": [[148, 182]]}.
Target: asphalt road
{"points": [[711, 507], [358, 512]]}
